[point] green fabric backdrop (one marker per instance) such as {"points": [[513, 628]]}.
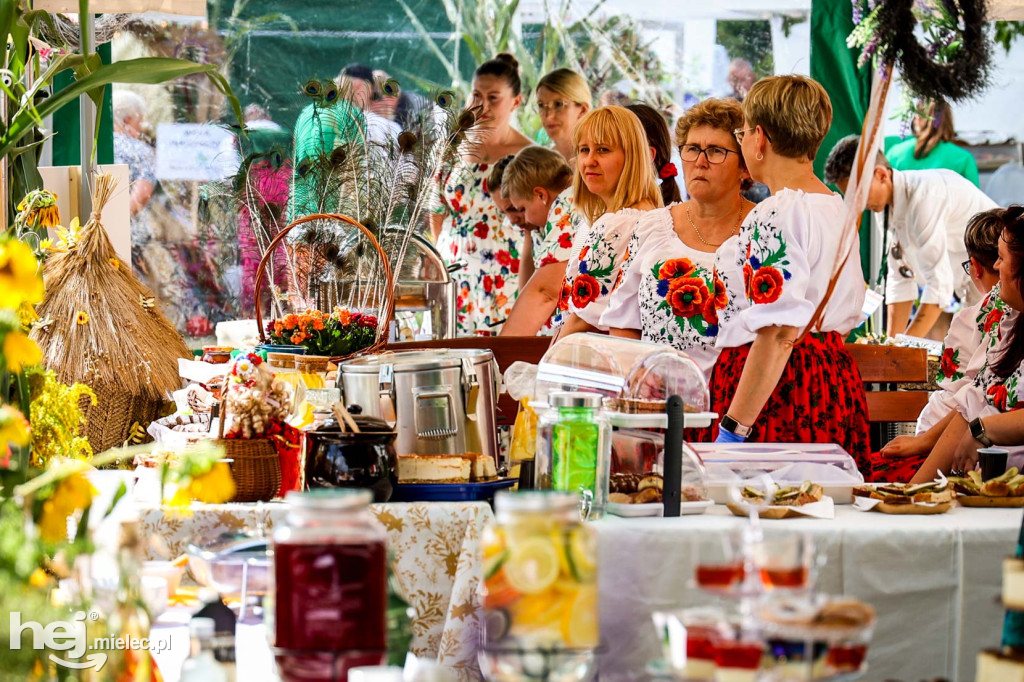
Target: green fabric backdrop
{"points": [[834, 65], [67, 125]]}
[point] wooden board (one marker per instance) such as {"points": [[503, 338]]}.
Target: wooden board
{"points": [[896, 406], [983, 501], [890, 364]]}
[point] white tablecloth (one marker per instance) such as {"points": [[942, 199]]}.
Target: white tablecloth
{"points": [[934, 581]]}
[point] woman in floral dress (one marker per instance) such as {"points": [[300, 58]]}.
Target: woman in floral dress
{"points": [[667, 290], [768, 383], [614, 185], [468, 227], [987, 411]]}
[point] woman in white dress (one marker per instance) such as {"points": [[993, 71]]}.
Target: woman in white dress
{"points": [[667, 289]]}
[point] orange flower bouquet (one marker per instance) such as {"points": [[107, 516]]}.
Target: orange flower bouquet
{"points": [[339, 333]]}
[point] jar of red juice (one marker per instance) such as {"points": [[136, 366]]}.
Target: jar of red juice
{"points": [[329, 586]]}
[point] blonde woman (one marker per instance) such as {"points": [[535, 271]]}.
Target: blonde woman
{"points": [[468, 226], [613, 186], [767, 387], [539, 181], [668, 290], [563, 98]]}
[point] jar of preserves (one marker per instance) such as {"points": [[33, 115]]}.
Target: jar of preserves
{"points": [[329, 586]]}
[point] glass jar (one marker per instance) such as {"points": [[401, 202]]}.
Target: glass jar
{"points": [[574, 449], [540, 589], [329, 586]]}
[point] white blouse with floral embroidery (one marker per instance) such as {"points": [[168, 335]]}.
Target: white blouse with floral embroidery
{"points": [[779, 270], [593, 268], [989, 394], [667, 291], [554, 243]]}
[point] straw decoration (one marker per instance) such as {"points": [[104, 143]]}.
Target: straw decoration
{"points": [[105, 328]]}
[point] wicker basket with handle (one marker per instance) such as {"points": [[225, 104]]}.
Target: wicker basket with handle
{"points": [[255, 465], [383, 323]]}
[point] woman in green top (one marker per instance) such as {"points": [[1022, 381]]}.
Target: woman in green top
{"points": [[932, 145]]}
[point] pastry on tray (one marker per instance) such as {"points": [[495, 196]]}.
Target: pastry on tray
{"points": [[1006, 490], [643, 488], [470, 467], [934, 497]]}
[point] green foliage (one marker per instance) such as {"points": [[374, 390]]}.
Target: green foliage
{"points": [[750, 40], [1006, 32]]}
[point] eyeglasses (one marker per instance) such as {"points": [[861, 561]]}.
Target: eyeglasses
{"points": [[896, 251], [691, 152], [740, 132], [556, 107], [966, 265]]}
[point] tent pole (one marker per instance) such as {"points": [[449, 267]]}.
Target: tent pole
{"points": [[87, 112]]}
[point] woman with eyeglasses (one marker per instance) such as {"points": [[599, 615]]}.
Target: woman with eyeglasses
{"points": [[772, 381], [563, 98], [988, 412], [667, 287]]}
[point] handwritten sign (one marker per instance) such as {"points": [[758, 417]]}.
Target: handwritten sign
{"points": [[190, 151]]}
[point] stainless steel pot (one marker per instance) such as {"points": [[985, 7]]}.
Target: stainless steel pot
{"points": [[441, 401]]}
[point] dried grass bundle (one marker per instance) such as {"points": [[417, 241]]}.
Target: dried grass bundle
{"points": [[105, 329]]}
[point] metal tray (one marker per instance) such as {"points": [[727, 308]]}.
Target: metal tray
{"points": [[450, 492]]}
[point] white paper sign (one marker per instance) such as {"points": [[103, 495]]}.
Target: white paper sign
{"points": [[190, 151], [872, 301]]}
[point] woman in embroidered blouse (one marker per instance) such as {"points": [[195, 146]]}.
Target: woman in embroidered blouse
{"points": [[667, 289], [613, 186], [563, 98], [769, 385], [540, 181], [988, 410], [468, 226]]}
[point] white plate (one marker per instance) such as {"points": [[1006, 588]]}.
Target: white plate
{"points": [[659, 420], [658, 509]]}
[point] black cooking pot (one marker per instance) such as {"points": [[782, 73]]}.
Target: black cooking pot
{"points": [[343, 459]]}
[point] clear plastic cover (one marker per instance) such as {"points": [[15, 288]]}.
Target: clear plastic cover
{"points": [[638, 454], [636, 376]]}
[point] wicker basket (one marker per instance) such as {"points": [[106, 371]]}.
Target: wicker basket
{"points": [[255, 465], [108, 423], [383, 323]]}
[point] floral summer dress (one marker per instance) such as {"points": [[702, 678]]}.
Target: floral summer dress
{"points": [[554, 245], [668, 291], [594, 266], [476, 232]]}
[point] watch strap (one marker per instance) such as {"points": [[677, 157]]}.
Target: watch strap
{"points": [[978, 432], [733, 426]]}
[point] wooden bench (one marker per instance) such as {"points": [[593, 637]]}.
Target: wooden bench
{"points": [[881, 369]]}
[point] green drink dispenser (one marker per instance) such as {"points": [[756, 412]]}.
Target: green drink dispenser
{"points": [[574, 450]]}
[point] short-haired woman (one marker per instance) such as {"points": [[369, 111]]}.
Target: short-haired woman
{"points": [[784, 374]]}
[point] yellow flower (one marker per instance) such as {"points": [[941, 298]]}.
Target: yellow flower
{"points": [[27, 316], [39, 578], [46, 244], [116, 263], [67, 237], [53, 523], [82, 317], [14, 428], [215, 486], [19, 276], [43, 204], [20, 351], [73, 493]]}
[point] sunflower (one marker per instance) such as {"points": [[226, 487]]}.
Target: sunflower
{"points": [[82, 317], [116, 263], [39, 207], [19, 275], [20, 351], [46, 244]]}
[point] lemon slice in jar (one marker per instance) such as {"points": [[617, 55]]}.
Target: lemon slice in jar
{"points": [[532, 565], [579, 622], [580, 553]]}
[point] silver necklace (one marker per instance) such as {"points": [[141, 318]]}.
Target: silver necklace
{"points": [[739, 220]]}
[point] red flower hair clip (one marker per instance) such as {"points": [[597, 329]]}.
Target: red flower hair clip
{"points": [[668, 171]]}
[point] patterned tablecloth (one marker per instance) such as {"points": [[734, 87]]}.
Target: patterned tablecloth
{"points": [[435, 548]]}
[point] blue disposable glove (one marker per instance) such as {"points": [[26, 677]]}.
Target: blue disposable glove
{"points": [[725, 436]]}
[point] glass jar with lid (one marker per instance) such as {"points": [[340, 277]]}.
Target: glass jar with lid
{"points": [[329, 593], [540, 589], [574, 447]]}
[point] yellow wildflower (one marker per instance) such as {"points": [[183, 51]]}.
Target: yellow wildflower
{"points": [[82, 317], [14, 428], [53, 523], [67, 237], [116, 263], [73, 493], [46, 244], [39, 578], [27, 316], [20, 351], [215, 486], [19, 276]]}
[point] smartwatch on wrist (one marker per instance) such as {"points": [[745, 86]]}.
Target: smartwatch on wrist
{"points": [[977, 432], [733, 426]]}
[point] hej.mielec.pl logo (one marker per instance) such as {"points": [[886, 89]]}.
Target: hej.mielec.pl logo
{"points": [[72, 637]]}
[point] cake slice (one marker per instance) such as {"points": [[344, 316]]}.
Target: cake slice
{"points": [[481, 467], [433, 469]]}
